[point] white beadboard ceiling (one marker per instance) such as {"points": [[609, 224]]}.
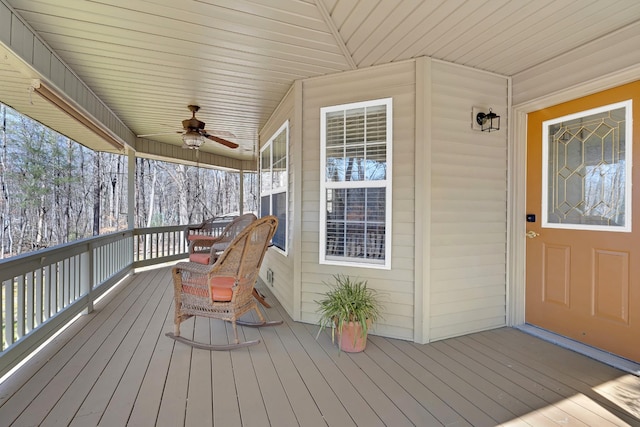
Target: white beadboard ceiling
{"points": [[148, 59]]}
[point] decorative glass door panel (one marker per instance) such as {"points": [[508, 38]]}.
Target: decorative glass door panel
{"points": [[587, 175]]}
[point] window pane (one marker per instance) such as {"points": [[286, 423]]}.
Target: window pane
{"points": [[377, 123], [356, 223], [335, 129], [265, 169], [354, 159], [350, 154], [376, 166], [354, 126], [279, 147], [265, 206], [280, 210]]}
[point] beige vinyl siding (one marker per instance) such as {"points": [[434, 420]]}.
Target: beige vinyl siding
{"points": [[468, 204], [606, 55], [283, 265], [398, 82]]}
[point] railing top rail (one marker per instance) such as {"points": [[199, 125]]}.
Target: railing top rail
{"points": [[33, 260]]}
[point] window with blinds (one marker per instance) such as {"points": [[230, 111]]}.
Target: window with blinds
{"points": [[355, 184], [274, 176]]}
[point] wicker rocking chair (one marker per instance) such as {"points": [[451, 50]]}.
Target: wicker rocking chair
{"points": [[224, 290], [204, 249]]}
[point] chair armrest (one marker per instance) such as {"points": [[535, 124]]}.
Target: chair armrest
{"points": [[192, 267], [202, 242]]}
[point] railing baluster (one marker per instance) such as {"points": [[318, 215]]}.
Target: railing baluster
{"points": [[48, 295], [66, 288], [9, 313], [20, 307], [29, 290], [39, 300]]}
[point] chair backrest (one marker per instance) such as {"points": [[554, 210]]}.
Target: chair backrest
{"points": [[236, 226], [243, 257], [209, 227]]}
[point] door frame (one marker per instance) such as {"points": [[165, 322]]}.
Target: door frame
{"points": [[517, 185]]}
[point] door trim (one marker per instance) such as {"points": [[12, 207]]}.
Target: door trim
{"points": [[517, 167]]}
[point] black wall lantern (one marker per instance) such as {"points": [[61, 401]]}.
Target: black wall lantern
{"points": [[488, 121]]}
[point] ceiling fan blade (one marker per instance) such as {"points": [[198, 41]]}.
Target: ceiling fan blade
{"points": [[221, 141], [220, 133]]}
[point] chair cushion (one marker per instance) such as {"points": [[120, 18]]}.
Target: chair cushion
{"points": [[200, 258], [221, 288]]}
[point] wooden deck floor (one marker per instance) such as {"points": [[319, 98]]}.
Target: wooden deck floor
{"points": [[115, 367]]}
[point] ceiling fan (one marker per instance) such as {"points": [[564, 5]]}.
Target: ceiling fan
{"points": [[194, 133]]}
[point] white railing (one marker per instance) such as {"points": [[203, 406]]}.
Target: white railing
{"points": [[42, 291]]}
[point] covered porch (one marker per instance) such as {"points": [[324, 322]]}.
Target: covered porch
{"points": [[114, 366]]}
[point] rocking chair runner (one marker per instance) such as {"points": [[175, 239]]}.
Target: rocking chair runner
{"points": [[224, 290]]}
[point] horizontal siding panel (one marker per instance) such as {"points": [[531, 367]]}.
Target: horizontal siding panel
{"points": [[466, 239], [463, 284], [468, 272], [451, 206], [459, 262], [454, 251], [468, 305], [469, 195], [492, 183], [443, 171], [463, 317], [469, 226], [390, 294], [479, 324], [400, 280], [474, 162], [452, 297], [394, 331]]}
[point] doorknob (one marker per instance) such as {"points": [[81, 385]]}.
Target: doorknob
{"points": [[532, 234]]}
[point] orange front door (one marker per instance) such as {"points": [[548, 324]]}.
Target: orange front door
{"points": [[583, 246]]}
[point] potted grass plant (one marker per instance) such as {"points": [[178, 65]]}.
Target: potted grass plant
{"points": [[349, 308]]}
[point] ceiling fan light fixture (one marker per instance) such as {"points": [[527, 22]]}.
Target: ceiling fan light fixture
{"points": [[192, 139]]}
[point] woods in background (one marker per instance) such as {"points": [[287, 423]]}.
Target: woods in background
{"points": [[54, 190]]}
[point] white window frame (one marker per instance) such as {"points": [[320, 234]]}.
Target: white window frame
{"points": [[270, 192], [386, 183], [628, 104]]}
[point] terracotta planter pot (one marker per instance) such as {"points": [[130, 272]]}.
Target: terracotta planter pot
{"points": [[346, 339]]}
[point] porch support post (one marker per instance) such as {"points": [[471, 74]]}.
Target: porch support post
{"points": [[131, 188], [131, 200]]}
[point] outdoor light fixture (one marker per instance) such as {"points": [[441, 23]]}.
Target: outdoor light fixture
{"points": [[488, 121], [64, 103], [192, 139]]}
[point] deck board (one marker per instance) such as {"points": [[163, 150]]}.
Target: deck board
{"points": [[116, 367]]}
